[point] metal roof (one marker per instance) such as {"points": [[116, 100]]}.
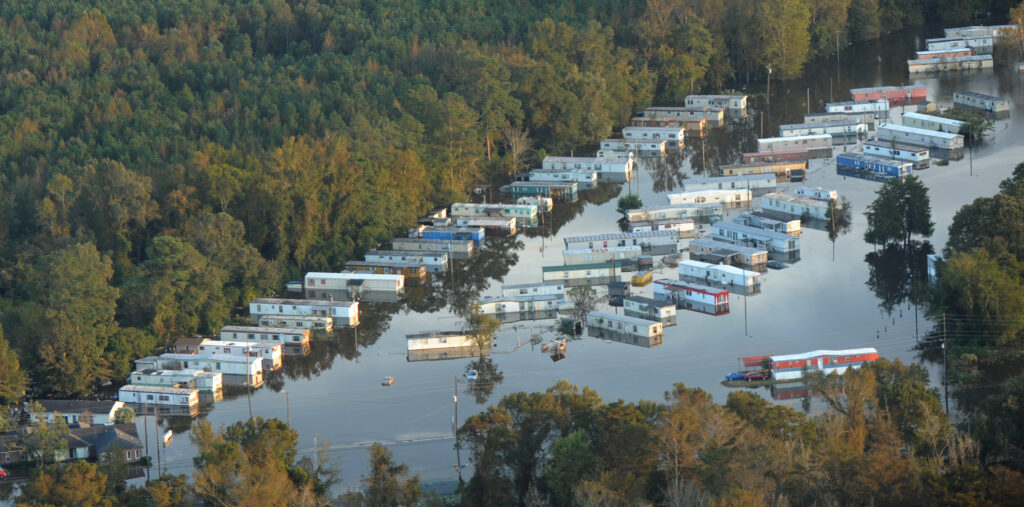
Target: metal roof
{"points": [[816, 353], [621, 235], [915, 130], [577, 267], [622, 318], [156, 389]]}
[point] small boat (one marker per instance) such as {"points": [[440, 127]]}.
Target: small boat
{"points": [[471, 375], [388, 381]]}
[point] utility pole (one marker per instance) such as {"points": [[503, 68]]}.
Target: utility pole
{"points": [[316, 455], [837, 57], [945, 371], [248, 380], [156, 424], [808, 100], [768, 95], [145, 426], [455, 430]]}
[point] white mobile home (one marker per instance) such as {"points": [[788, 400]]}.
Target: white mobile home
{"points": [[238, 370], [656, 242], [712, 116], [205, 381], [282, 335], [980, 45], [791, 227], [720, 252], [979, 31], [956, 63], [457, 247], [735, 105], [817, 193], [176, 400], [585, 178], [756, 183], [794, 206], [343, 281], [811, 142], [672, 135], [622, 147], [941, 144], [534, 289], [847, 130], [607, 169], [440, 345], [932, 122], [96, 412], [780, 246], [917, 155], [519, 304], [524, 214], [682, 226], [581, 274], [690, 296], [701, 213], [868, 119], [624, 324], [610, 254], [650, 309], [717, 274], [270, 353], [436, 262], [299, 322], [996, 107], [878, 108], [730, 198], [344, 313]]}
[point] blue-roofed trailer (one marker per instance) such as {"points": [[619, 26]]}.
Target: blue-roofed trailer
{"points": [[869, 167], [474, 234]]}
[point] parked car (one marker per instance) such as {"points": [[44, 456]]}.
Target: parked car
{"points": [[735, 376], [3, 473], [756, 375]]}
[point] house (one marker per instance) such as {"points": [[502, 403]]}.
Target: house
{"points": [[794, 206], [314, 324], [780, 246], [211, 382], [101, 441], [270, 353], [585, 179], [439, 345], [753, 219], [455, 247], [916, 155], [693, 297], [607, 169], [236, 370], [581, 274], [281, 335], [730, 198], [170, 400], [650, 309], [720, 275], [343, 313], [996, 107], [97, 412], [719, 252], [895, 95], [756, 183], [870, 167], [941, 144], [654, 242], [701, 213], [932, 122], [817, 145], [624, 324], [779, 169], [622, 254], [558, 191]]}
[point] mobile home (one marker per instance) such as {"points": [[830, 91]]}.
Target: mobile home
{"points": [[817, 146], [450, 234], [584, 178], [878, 108], [720, 275], [205, 381], [534, 289], [270, 353], [441, 345], [325, 324], [779, 169], [817, 193], [457, 247], [693, 297], [916, 155], [755, 183], [868, 119], [343, 313], [611, 254], [780, 246], [174, 400], [719, 252], [793, 366], [794, 206], [496, 305], [690, 116], [411, 270], [979, 45], [791, 227], [995, 31], [624, 324], [655, 242], [282, 335], [672, 135], [846, 131], [524, 214], [436, 262], [735, 105], [650, 309], [996, 107], [607, 169], [581, 274], [700, 213], [558, 191], [342, 281], [730, 198], [683, 227], [932, 122], [777, 156], [896, 95], [940, 144], [871, 167], [236, 370]]}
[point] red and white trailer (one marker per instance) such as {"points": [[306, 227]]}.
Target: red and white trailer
{"points": [[792, 366]]}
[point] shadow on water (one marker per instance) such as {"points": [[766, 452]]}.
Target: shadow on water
{"points": [[898, 274]]}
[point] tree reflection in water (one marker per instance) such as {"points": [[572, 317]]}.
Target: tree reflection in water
{"points": [[488, 377], [898, 274]]}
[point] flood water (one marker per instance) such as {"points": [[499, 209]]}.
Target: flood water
{"points": [[335, 393]]}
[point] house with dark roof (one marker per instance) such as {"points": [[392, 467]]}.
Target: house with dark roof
{"points": [[93, 412], [93, 443]]}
